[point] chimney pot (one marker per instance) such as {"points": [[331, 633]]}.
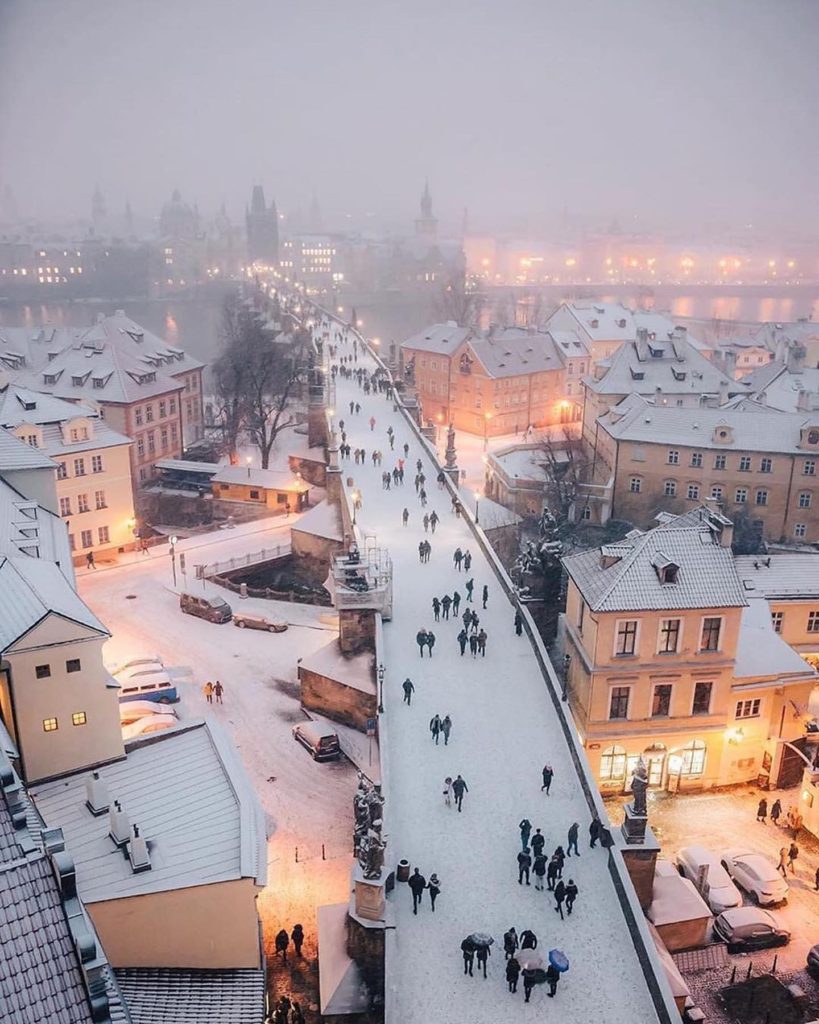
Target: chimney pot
{"points": [[119, 826], [97, 799], [138, 853]]}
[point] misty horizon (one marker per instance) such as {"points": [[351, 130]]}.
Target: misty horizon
{"points": [[659, 115]]}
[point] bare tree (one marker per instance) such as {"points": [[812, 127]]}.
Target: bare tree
{"points": [[228, 369], [258, 375], [459, 300], [564, 463]]}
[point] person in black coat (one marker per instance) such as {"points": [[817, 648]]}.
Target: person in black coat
{"points": [[459, 787], [456, 603], [548, 775], [552, 977], [282, 942], [463, 640], [510, 942], [469, 956], [528, 939], [571, 896], [518, 623], [560, 896], [528, 984], [594, 831], [434, 887], [512, 973], [485, 595], [484, 953], [539, 868], [538, 842], [524, 864], [551, 873], [430, 641], [572, 844], [417, 884], [297, 937]]}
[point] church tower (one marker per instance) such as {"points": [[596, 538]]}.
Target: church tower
{"points": [[426, 226], [262, 225], [98, 211]]}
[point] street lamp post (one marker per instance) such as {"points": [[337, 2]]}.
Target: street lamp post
{"points": [[487, 417], [477, 507], [174, 540], [381, 673], [356, 499], [248, 460]]}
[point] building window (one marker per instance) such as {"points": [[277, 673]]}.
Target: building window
{"points": [[172, 406], [661, 701], [104, 537], [761, 498], [626, 637], [173, 433], [670, 488], [96, 463], [72, 665], [151, 443], [138, 416], [719, 462], [711, 628], [586, 512], [813, 622], [745, 463], [777, 618], [693, 492], [62, 471], [766, 465], [748, 708], [86, 539], [49, 725], [693, 758], [612, 764], [79, 718], [669, 636], [702, 698], [140, 448], [696, 459], [72, 544], [635, 485], [42, 671], [741, 496], [149, 414], [804, 499], [800, 530], [673, 458], [65, 507], [79, 467], [809, 467], [618, 708], [82, 503], [254, 495], [161, 410], [716, 492], [99, 499]]}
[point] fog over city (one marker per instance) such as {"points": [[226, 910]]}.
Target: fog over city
{"points": [[698, 115]]}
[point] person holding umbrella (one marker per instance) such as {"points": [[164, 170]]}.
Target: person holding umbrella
{"points": [[483, 953], [469, 956], [552, 977]]}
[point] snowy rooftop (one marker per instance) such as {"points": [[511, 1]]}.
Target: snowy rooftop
{"points": [[271, 479], [626, 576], [203, 824], [16, 454], [762, 652], [781, 385], [167, 996], [321, 521], [355, 670], [635, 419], [781, 577], [525, 463]]}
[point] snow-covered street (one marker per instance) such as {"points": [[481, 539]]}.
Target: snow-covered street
{"points": [[306, 804], [504, 730]]}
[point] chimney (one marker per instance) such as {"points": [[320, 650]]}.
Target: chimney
{"points": [[807, 401], [97, 799], [642, 343], [119, 825], [795, 358], [679, 337], [138, 853], [762, 398], [53, 840], [723, 392]]}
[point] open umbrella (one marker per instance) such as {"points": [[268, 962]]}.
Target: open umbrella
{"points": [[480, 939], [558, 960], [536, 976], [529, 960]]}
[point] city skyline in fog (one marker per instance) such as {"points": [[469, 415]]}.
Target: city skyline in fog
{"points": [[665, 116]]}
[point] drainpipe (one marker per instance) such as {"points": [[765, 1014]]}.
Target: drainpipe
{"points": [[788, 497], [6, 667]]}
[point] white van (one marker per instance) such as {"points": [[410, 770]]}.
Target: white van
{"points": [[156, 686], [719, 892]]}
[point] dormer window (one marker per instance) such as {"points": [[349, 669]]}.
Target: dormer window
{"points": [[51, 378], [723, 434], [79, 380], [666, 570]]}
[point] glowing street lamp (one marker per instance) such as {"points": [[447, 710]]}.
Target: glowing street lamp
{"points": [[174, 541], [248, 460]]}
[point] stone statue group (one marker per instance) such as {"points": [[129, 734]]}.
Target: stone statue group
{"points": [[368, 842]]}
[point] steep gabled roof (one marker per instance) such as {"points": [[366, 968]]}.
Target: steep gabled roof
{"points": [[671, 364], [626, 576]]}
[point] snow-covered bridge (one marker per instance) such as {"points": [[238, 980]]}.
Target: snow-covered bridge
{"points": [[506, 725]]}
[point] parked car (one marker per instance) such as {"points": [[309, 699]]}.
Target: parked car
{"points": [[137, 665], [719, 891], [214, 609], [132, 710], [813, 961], [148, 724], [756, 875], [320, 740], [244, 620], [749, 928], [150, 668], [156, 686]]}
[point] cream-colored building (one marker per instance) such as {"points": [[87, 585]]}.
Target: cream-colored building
{"points": [[93, 467], [673, 661]]}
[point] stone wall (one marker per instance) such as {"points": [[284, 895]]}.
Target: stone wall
{"points": [[313, 470], [356, 630], [330, 697], [315, 554]]}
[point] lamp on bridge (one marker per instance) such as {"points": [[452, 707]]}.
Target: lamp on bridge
{"points": [[381, 673], [477, 507], [248, 460]]}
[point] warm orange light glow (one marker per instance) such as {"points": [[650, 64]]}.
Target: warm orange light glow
{"points": [[571, 262]]}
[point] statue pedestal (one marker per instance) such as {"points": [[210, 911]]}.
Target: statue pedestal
{"points": [[634, 826], [369, 895]]}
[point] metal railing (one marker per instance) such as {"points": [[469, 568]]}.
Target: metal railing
{"points": [[244, 561]]}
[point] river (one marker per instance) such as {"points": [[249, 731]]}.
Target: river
{"points": [[193, 322]]}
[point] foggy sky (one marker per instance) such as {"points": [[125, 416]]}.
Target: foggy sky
{"points": [[674, 113]]}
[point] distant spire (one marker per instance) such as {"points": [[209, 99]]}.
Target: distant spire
{"points": [[257, 203], [426, 202], [315, 214], [98, 211]]}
